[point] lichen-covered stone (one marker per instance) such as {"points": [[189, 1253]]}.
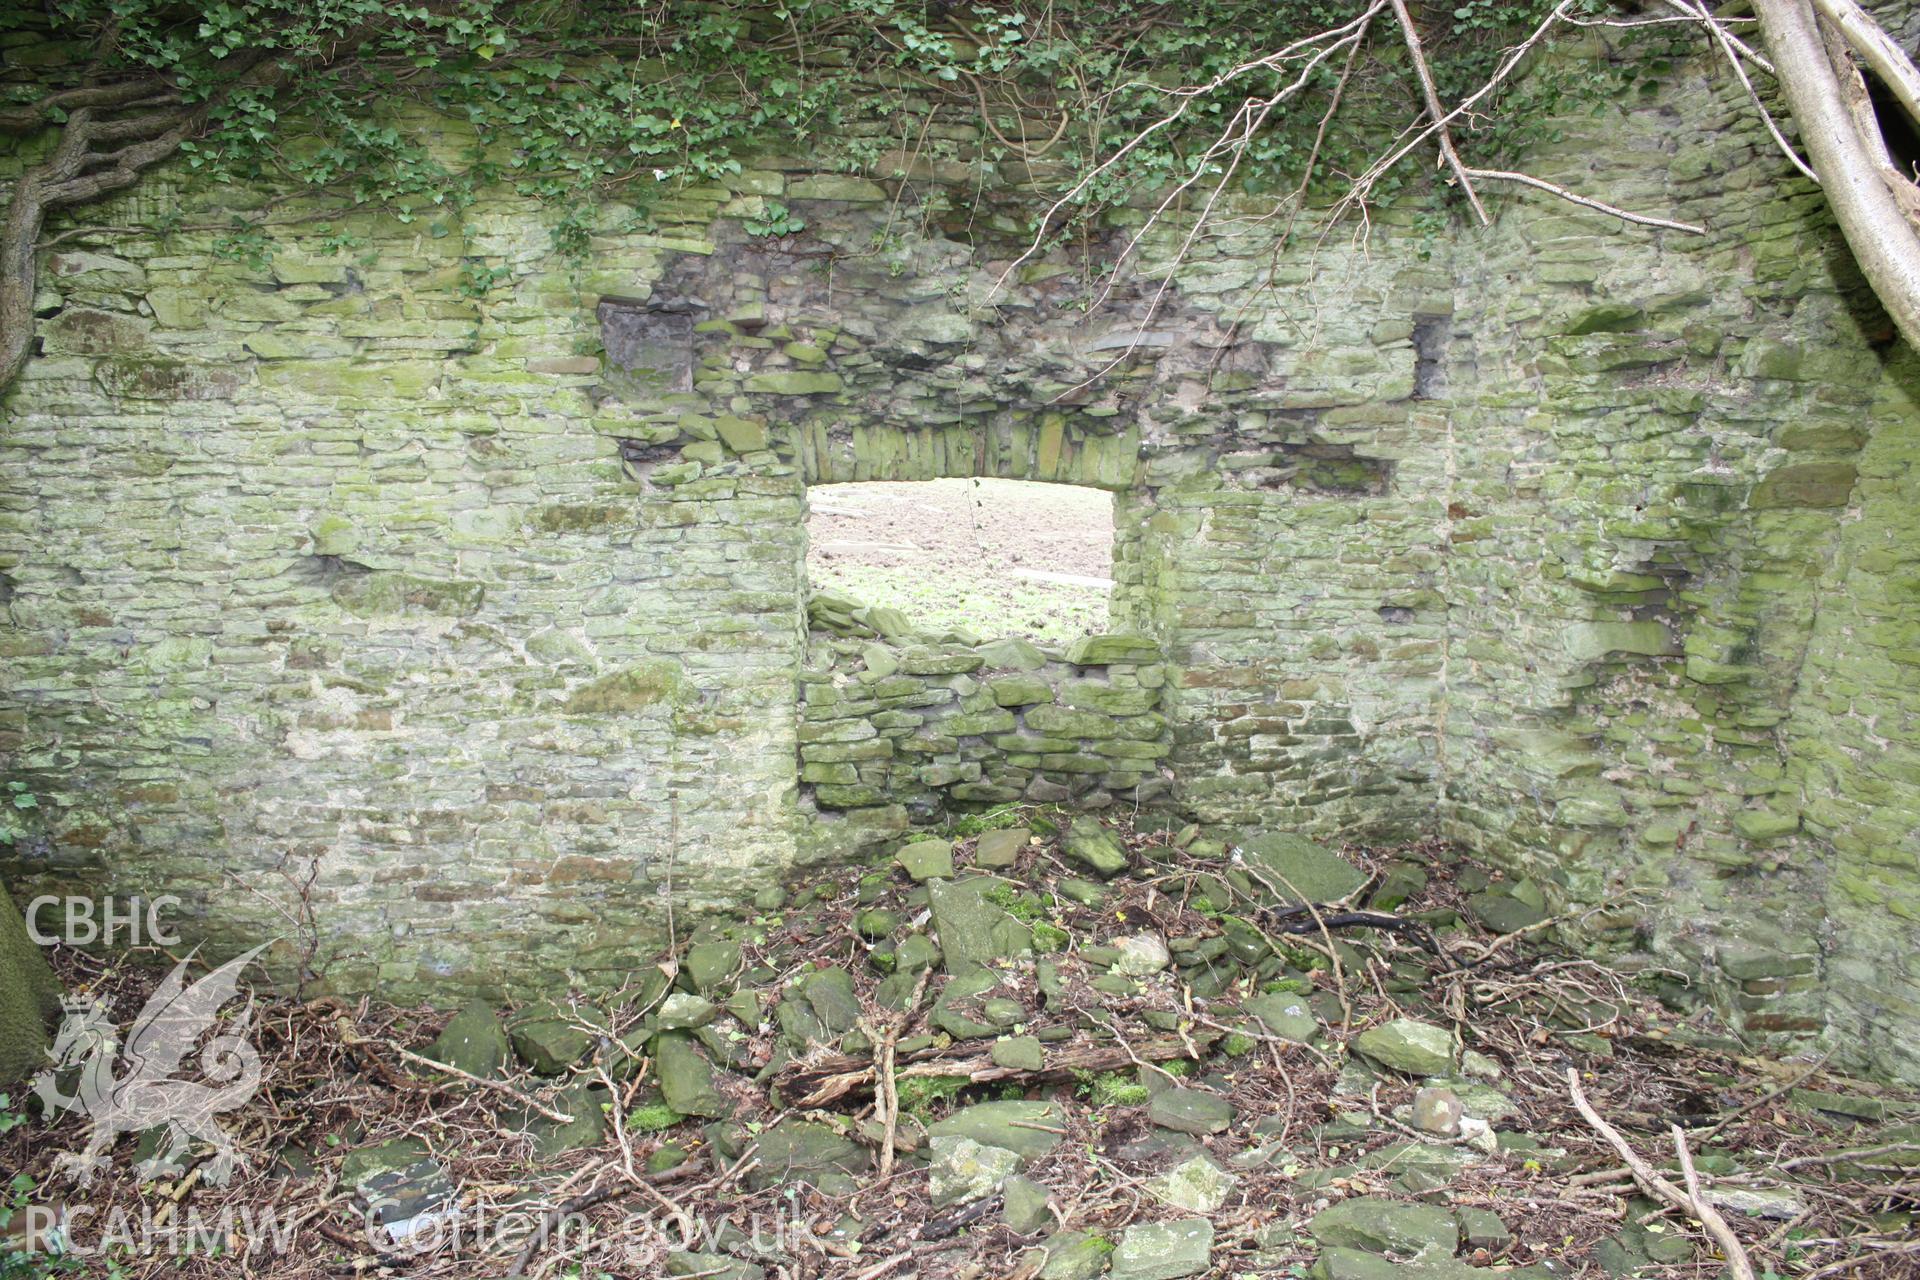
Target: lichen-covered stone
{"points": [[474, 1041], [964, 1170], [686, 1077], [1296, 868], [1163, 1250], [1027, 1128], [926, 859], [1380, 1225], [1095, 847], [1192, 1111], [1409, 1045]]}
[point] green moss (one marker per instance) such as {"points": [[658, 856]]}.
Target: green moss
{"points": [[633, 689], [1049, 937], [919, 1095], [1109, 1089], [652, 1117]]}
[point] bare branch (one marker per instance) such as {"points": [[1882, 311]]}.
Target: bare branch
{"points": [[1878, 50], [1187, 96], [1689, 1201], [1439, 117], [1586, 202], [1231, 142], [1702, 1208], [1739, 46], [1729, 46], [1411, 140]]}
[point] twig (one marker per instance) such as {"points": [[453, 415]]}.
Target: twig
{"points": [[1435, 112], [362, 1047], [888, 1098], [1587, 202], [1848, 1264], [1708, 1215], [1689, 1201], [1707, 1134]]}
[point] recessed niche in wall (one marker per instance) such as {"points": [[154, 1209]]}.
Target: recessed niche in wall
{"points": [[647, 350], [993, 557]]}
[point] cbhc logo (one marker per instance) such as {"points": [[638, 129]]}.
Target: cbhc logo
{"points": [[86, 922]]}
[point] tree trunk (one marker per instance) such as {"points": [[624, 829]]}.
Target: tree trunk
{"points": [[29, 998], [75, 174], [1858, 182], [25, 214]]}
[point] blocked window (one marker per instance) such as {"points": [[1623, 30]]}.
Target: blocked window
{"points": [[992, 557]]}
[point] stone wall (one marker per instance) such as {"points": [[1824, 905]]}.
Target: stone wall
{"points": [[935, 728], [444, 598]]}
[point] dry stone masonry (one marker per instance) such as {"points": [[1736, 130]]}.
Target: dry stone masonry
{"points": [[937, 725], [463, 622]]}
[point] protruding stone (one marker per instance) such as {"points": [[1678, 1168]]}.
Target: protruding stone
{"points": [[1379, 1225], [550, 1044], [1024, 1204], [1284, 1015], [1141, 955], [711, 965], [927, 859], [1100, 651], [973, 931], [1409, 1045], [998, 850], [1093, 845], [804, 1151], [682, 1012], [1198, 1186], [1297, 868], [1437, 1111], [966, 1170], [1011, 654], [1018, 1053], [1030, 1128], [1163, 1250], [686, 1077], [1075, 1255], [1190, 1111], [475, 1042]]}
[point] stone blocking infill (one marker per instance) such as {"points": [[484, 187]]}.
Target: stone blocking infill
{"points": [[928, 725]]}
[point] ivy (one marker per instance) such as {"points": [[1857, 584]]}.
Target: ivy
{"points": [[568, 101]]}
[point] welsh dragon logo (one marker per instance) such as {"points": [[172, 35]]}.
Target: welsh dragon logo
{"points": [[147, 1096]]}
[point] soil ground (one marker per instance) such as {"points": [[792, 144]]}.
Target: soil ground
{"points": [[994, 557]]}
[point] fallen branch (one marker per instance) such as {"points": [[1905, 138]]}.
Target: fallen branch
{"points": [[827, 1080], [1688, 1201], [362, 1048], [887, 1097]]}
